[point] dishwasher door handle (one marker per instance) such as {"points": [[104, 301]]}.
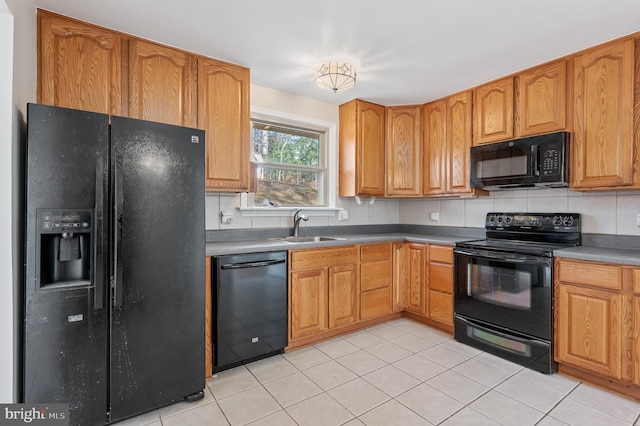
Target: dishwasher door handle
{"points": [[252, 264]]}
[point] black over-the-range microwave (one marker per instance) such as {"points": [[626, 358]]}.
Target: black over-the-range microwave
{"points": [[532, 162]]}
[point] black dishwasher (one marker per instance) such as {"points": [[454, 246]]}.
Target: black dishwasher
{"points": [[250, 307]]}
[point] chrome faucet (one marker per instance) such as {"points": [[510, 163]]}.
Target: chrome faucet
{"points": [[297, 217]]}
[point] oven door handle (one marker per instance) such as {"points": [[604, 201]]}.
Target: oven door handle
{"points": [[507, 257]]}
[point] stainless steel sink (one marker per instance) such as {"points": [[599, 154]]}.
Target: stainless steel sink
{"points": [[312, 239]]}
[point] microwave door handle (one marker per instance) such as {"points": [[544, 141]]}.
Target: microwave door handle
{"points": [[534, 157]]}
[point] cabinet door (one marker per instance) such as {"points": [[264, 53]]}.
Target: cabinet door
{"points": [[588, 329], [459, 124], [400, 275], [434, 147], [635, 336], [370, 149], [441, 307], [223, 112], [79, 65], [344, 304], [161, 84], [416, 288], [493, 111], [375, 280], [603, 148], [404, 150], [636, 339], [308, 303], [542, 99], [361, 148]]}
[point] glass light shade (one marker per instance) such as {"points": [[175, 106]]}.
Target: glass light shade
{"points": [[335, 75]]}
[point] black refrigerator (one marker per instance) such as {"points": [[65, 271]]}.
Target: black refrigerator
{"points": [[114, 264]]}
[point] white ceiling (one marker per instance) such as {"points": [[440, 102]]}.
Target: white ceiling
{"points": [[404, 51]]}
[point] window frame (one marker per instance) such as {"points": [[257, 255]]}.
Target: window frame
{"points": [[247, 206], [321, 169]]}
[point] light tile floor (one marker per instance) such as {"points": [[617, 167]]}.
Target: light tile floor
{"points": [[397, 373]]}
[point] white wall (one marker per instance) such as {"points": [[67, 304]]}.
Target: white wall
{"points": [[602, 212], [265, 99], [17, 87]]}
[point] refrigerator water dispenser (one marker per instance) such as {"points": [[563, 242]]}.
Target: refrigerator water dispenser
{"points": [[65, 247]]}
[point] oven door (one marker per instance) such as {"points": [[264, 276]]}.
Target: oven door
{"points": [[507, 290]]}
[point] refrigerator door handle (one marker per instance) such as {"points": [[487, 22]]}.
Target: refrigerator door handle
{"points": [[117, 284], [98, 240]]}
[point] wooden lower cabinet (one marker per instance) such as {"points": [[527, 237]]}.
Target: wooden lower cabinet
{"points": [[416, 286], [340, 289], [323, 290], [423, 276], [398, 301], [597, 323], [636, 339], [343, 295], [309, 302], [440, 284], [376, 267], [588, 333]]}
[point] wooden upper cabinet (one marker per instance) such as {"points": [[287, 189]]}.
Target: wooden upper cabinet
{"points": [[223, 112], [446, 145], [404, 150], [361, 149], [542, 104], [79, 65], [162, 84], [459, 134], [493, 111], [434, 148], [604, 149]]}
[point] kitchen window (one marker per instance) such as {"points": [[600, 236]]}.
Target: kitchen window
{"points": [[291, 165]]}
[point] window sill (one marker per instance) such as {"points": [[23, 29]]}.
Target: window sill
{"points": [[287, 211]]}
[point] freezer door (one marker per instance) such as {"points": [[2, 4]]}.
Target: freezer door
{"points": [[157, 326], [65, 325]]}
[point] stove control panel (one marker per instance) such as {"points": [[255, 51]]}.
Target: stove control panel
{"points": [[536, 222]]}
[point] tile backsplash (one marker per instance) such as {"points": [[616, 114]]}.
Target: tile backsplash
{"points": [[602, 212]]}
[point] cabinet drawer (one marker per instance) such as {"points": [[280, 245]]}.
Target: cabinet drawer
{"points": [[319, 258], [442, 254], [375, 275], [441, 277], [441, 307], [375, 303], [373, 252], [588, 273]]}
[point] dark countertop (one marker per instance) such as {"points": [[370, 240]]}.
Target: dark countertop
{"points": [[252, 246], [601, 254]]}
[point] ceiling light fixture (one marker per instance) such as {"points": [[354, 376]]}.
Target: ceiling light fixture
{"points": [[335, 75]]}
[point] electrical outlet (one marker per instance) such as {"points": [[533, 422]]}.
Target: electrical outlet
{"points": [[343, 215], [638, 219], [435, 216]]}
